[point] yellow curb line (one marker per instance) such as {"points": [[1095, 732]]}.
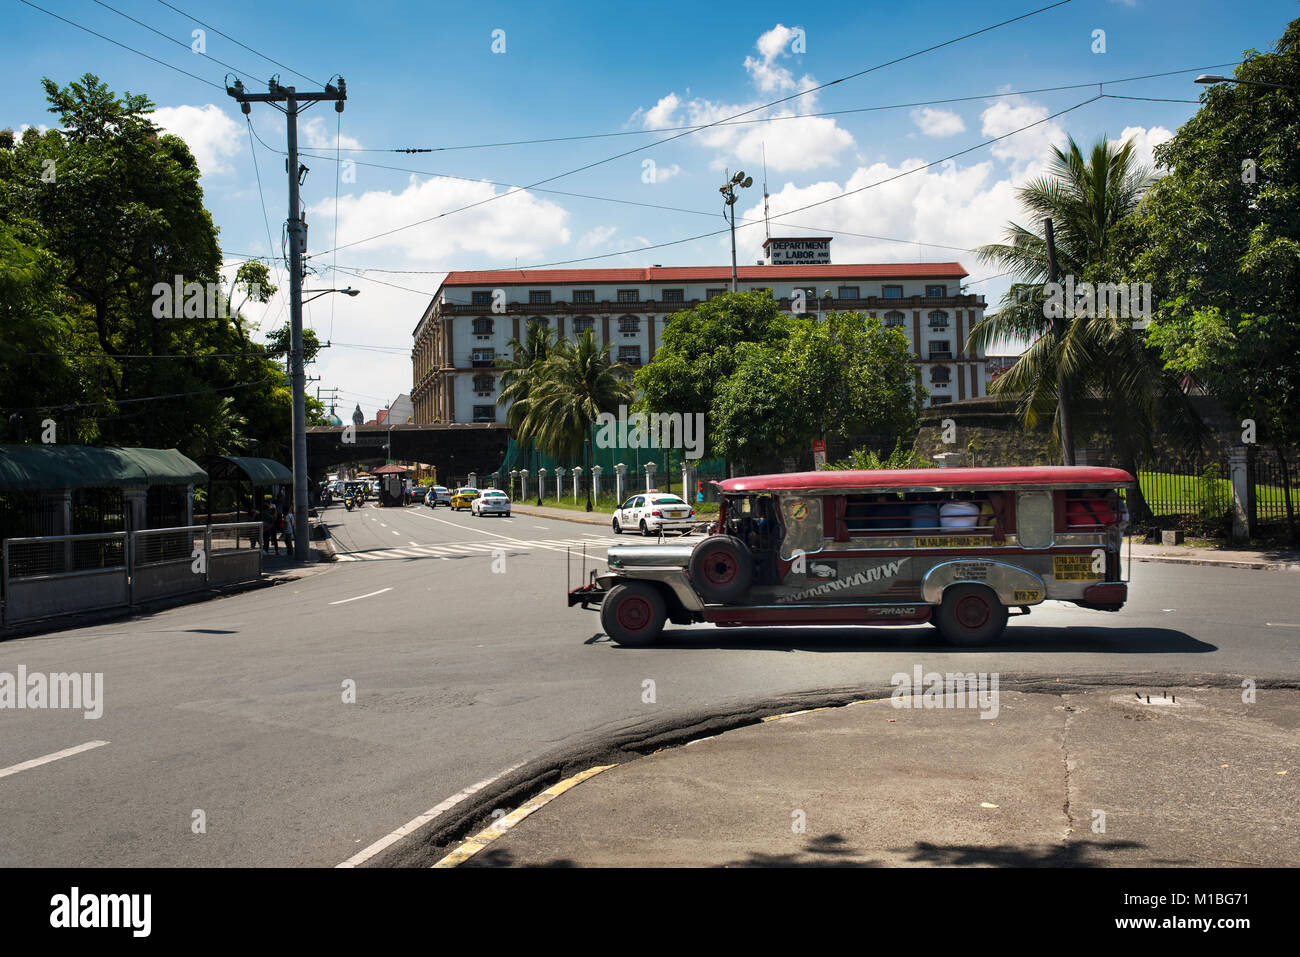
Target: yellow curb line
{"points": [[498, 828], [792, 714]]}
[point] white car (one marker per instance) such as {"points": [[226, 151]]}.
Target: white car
{"points": [[652, 512], [438, 495], [491, 501]]}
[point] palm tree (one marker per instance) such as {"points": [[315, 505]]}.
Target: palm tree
{"points": [[1102, 356], [567, 391], [520, 370]]}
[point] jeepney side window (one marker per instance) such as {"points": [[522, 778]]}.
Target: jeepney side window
{"points": [[804, 526], [1034, 519]]}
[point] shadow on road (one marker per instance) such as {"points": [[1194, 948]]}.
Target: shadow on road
{"points": [[1018, 638]]}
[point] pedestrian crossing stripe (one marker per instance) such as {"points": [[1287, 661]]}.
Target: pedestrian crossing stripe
{"points": [[465, 548]]}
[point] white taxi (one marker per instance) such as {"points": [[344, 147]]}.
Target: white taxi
{"points": [[652, 512]]}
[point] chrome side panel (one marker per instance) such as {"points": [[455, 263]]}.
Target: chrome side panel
{"points": [[637, 556], [674, 578], [1013, 585]]}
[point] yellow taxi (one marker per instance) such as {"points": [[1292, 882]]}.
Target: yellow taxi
{"points": [[462, 498]]}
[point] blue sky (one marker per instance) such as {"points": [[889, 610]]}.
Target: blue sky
{"points": [[425, 75]]}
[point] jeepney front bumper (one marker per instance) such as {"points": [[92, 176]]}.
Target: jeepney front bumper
{"points": [[588, 595]]}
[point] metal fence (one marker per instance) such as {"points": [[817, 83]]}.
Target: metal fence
{"points": [[1205, 490], [1270, 481], [61, 574]]}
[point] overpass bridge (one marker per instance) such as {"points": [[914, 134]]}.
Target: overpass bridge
{"points": [[456, 449]]}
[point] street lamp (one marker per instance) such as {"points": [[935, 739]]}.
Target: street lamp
{"points": [[728, 191], [1210, 78], [301, 526]]}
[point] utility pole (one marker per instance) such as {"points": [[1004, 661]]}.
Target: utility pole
{"points": [[294, 103], [1064, 426], [728, 191]]}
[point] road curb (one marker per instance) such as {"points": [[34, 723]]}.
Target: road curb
{"points": [[1220, 563], [581, 518]]}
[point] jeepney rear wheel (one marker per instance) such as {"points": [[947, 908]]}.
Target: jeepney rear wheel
{"points": [[633, 614], [971, 615], [721, 568]]}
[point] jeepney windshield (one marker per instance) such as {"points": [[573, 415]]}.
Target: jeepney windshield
{"points": [[754, 520]]}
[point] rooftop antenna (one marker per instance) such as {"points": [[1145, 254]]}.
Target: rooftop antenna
{"points": [[767, 226]]}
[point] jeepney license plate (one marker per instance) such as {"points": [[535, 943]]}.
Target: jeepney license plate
{"points": [[1074, 568]]}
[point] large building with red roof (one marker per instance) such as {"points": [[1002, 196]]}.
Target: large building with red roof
{"points": [[474, 315]]}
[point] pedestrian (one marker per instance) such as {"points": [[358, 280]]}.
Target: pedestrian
{"points": [[269, 521], [286, 523]]}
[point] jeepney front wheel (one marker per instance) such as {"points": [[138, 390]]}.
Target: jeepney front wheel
{"points": [[971, 615], [633, 614]]}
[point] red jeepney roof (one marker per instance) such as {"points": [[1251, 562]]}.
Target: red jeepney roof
{"points": [[1071, 476]]}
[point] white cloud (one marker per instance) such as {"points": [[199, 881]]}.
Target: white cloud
{"points": [[212, 136], [318, 137], [664, 173], [1144, 142], [795, 141], [1032, 145], [596, 237], [767, 74], [934, 122]]}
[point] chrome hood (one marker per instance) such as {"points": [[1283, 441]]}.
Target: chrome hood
{"points": [[643, 556]]}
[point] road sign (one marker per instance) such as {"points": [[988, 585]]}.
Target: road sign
{"points": [[819, 454]]}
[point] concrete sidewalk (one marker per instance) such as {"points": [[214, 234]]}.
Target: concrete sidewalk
{"points": [[1195, 778]]}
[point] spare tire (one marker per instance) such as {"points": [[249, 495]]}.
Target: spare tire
{"points": [[721, 569]]}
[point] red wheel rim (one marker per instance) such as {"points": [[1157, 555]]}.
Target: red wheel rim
{"points": [[720, 567], [973, 612], [634, 613]]}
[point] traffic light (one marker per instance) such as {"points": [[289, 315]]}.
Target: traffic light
{"points": [[699, 491]]}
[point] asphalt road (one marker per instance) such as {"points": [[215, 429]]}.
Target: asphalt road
{"points": [[466, 662]]}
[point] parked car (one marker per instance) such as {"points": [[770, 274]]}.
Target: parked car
{"points": [[653, 512], [418, 492], [959, 548], [438, 495], [463, 498], [491, 501]]}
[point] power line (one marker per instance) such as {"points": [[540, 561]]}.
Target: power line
{"points": [[147, 398], [784, 99], [180, 43], [169, 66], [801, 116], [233, 40]]}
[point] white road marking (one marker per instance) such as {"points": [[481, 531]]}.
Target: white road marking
{"points": [[508, 538], [413, 543], [383, 524], [37, 762], [1281, 624], [396, 532], [415, 824], [359, 597], [542, 527]]}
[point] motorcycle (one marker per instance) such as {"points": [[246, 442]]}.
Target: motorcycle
{"points": [[348, 501]]}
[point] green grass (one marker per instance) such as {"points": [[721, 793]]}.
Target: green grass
{"points": [[1186, 493]]}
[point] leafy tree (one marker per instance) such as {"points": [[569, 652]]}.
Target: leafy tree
{"points": [[1221, 247], [1089, 199], [572, 386], [103, 210], [769, 383]]}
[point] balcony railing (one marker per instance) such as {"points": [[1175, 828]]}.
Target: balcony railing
{"points": [[654, 306]]}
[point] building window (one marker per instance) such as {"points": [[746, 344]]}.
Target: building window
{"points": [[674, 295], [938, 319], [539, 297], [893, 292], [894, 318], [481, 297], [480, 358], [940, 375], [940, 350], [629, 295], [710, 293], [583, 324], [542, 322], [629, 355], [484, 383], [849, 292], [809, 293], [584, 295], [485, 413], [936, 292], [482, 326], [629, 325]]}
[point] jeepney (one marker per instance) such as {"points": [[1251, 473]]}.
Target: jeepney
{"points": [[960, 548]]}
